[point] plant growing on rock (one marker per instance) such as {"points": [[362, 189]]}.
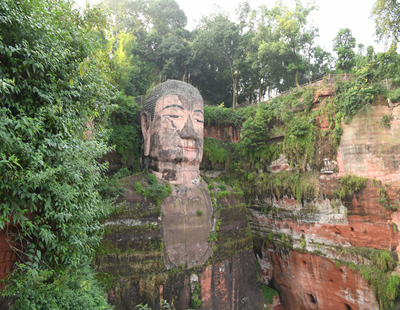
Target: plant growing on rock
{"points": [[55, 98]]}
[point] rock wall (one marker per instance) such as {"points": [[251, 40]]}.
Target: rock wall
{"points": [[299, 242], [229, 133], [133, 268], [305, 281], [370, 149]]}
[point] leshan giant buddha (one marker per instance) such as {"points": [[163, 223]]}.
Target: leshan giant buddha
{"points": [[172, 121]]}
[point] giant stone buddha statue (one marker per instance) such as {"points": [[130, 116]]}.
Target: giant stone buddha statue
{"points": [[172, 120]]}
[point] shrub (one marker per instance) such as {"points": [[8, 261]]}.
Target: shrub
{"points": [[351, 184], [55, 97], [222, 187], [223, 194], [268, 293], [199, 212], [74, 288], [152, 179], [138, 188]]}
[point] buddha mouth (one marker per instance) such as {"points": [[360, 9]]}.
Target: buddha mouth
{"points": [[189, 148]]}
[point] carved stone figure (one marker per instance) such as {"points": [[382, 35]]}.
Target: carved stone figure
{"points": [[172, 121]]}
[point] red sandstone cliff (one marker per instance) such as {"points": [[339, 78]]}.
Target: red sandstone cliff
{"points": [[329, 229]]}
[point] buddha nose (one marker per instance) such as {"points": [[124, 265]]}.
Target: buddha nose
{"points": [[188, 130]]}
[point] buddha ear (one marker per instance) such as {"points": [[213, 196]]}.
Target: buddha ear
{"points": [[144, 122]]}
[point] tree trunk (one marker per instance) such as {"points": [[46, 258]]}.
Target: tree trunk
{"points": [[234, 94], [297, 69]]}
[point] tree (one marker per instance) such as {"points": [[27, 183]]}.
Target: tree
{"points": [[291, 25], [322, 61], [54, 96], [310, 49], [225, 39], [343, 45], [173, 55], [387, 20], [166, 16]]}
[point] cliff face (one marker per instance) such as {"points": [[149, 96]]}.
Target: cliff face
{"points": [[337, 250], [315, 253], [370, 149], [137, 266], [229, 133]]}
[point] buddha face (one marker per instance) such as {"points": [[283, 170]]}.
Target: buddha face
{"points": [[174, 139]]}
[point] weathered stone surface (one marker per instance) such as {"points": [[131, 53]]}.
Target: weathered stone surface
{"points": [[306, 281], [367, 149], [186, 226], [172, 120], [229, 133], [231, 284], [281, 163], [131, 259]]}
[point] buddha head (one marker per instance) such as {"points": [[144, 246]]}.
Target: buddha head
{"points": [[172, 120]]}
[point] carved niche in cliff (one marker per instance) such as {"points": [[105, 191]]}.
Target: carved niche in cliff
{"points": [[172, 121]]}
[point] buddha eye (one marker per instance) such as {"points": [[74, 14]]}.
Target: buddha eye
{"points": [[174, 116], [199, 121]]}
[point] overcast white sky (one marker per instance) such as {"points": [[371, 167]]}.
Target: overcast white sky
{"points": [[330, 18]]}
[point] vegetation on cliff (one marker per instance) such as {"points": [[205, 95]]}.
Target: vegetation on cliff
{"points": [[55, 95]]}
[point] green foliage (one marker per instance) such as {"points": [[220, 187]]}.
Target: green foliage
{"points": [[215, 151], [387, 21], [212, 237], [299, 142], [222, 187], [138, 188], [54, 100], [385, 121], [394, 95], [195, 300], [378, 273], [169, 188], [384, 200], [218, 225], [199, 212], [268, 293], [351, 184], [110, 188], [164, 304], [343, 45], [302, 186], [223, 194], [356, 95], [211, 186], [303, 243], [152, 179], [73, 288], [126, 134], [156, 192], [220, 116], [254, 131], [122, 173]]}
